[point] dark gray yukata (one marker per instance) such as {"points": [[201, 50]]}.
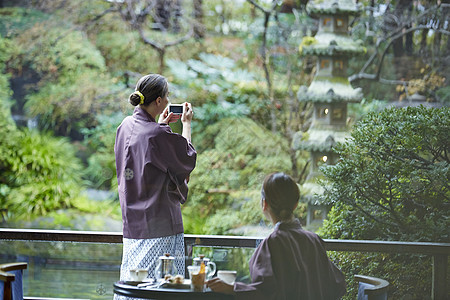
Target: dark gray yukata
{"points": [[153, 165], [291, 263]]}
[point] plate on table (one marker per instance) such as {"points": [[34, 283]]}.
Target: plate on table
{"points": [[135, 283], [186, 285]]}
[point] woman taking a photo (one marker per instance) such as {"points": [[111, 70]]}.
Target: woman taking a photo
{"points": [[153, 167], [291, 263]]}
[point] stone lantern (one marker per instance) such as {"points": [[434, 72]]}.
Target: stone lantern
{"points": [[330, 91]]}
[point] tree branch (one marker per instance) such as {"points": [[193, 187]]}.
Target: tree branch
{"points": [[180, 40], [99, 16], [265, 11], [267, 15], [147, 41], [399, 33], [361, 209]]}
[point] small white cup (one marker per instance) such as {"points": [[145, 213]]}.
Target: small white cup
{"points": [[227, 276], [138, 274]]}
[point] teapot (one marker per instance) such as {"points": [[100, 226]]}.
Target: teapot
{"points": [[165, 266], [209, 265]]}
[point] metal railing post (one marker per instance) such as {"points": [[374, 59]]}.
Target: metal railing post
{"points": [[439, 286]]}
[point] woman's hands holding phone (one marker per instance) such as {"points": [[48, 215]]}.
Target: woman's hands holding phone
{"points": [[168, 117], [188, 113]]}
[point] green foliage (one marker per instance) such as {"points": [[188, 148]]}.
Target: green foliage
{"points": [[206, 79], [396, 171], [6, 121], [211, 113], [221, 222], [71, 74], [395, 268], [68, 106], [99, 141], [282, 40], [231, 15], [356, 111], [219, 89], [392, 184], [229, 173], [444, 94], [58, 52], [8, 133], [124, 51], [40, 174], [14, 20]]}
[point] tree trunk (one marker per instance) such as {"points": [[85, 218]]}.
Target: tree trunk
{"points": [[265, 59], [423, 41], [372, 7], [400, 45], [178, 14], [437, 47], [253, 12], [409, 36], [397, 45], [293, 156], [162, 15], [445, 16], [161, 53], [409, 43], [222, 15], [165, 11], [199, 27], [287, 6]]}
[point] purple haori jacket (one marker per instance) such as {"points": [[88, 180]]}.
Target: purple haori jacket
{"points": [[291, 263], [153, 164]]}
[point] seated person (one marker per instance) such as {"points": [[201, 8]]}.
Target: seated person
{"points": [[291, 263]]}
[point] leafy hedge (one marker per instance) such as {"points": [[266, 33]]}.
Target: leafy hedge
{"points": [[40, 173], [392, 184]]}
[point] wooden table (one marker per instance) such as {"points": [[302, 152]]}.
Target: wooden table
{"points": [[132, 291]]}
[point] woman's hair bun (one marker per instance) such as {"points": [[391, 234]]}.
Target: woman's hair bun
{"points": [[282, 194], [134, 99]]}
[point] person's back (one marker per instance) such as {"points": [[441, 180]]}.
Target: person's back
{"points": [[300, 265], [291, 263]]}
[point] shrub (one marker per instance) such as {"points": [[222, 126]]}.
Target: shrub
{"points": [[40, 174], [391, 183]]}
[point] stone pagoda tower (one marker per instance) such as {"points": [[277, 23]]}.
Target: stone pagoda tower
{"points": [[330, 91]]}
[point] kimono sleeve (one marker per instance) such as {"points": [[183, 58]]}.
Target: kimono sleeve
{"points": [[263, 284], [336, 284], [172, 154]]}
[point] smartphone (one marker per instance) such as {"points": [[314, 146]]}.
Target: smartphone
{"points": [[177, 109]]}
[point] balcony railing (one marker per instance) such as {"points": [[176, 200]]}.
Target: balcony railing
{"points": [[438, 251]]}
